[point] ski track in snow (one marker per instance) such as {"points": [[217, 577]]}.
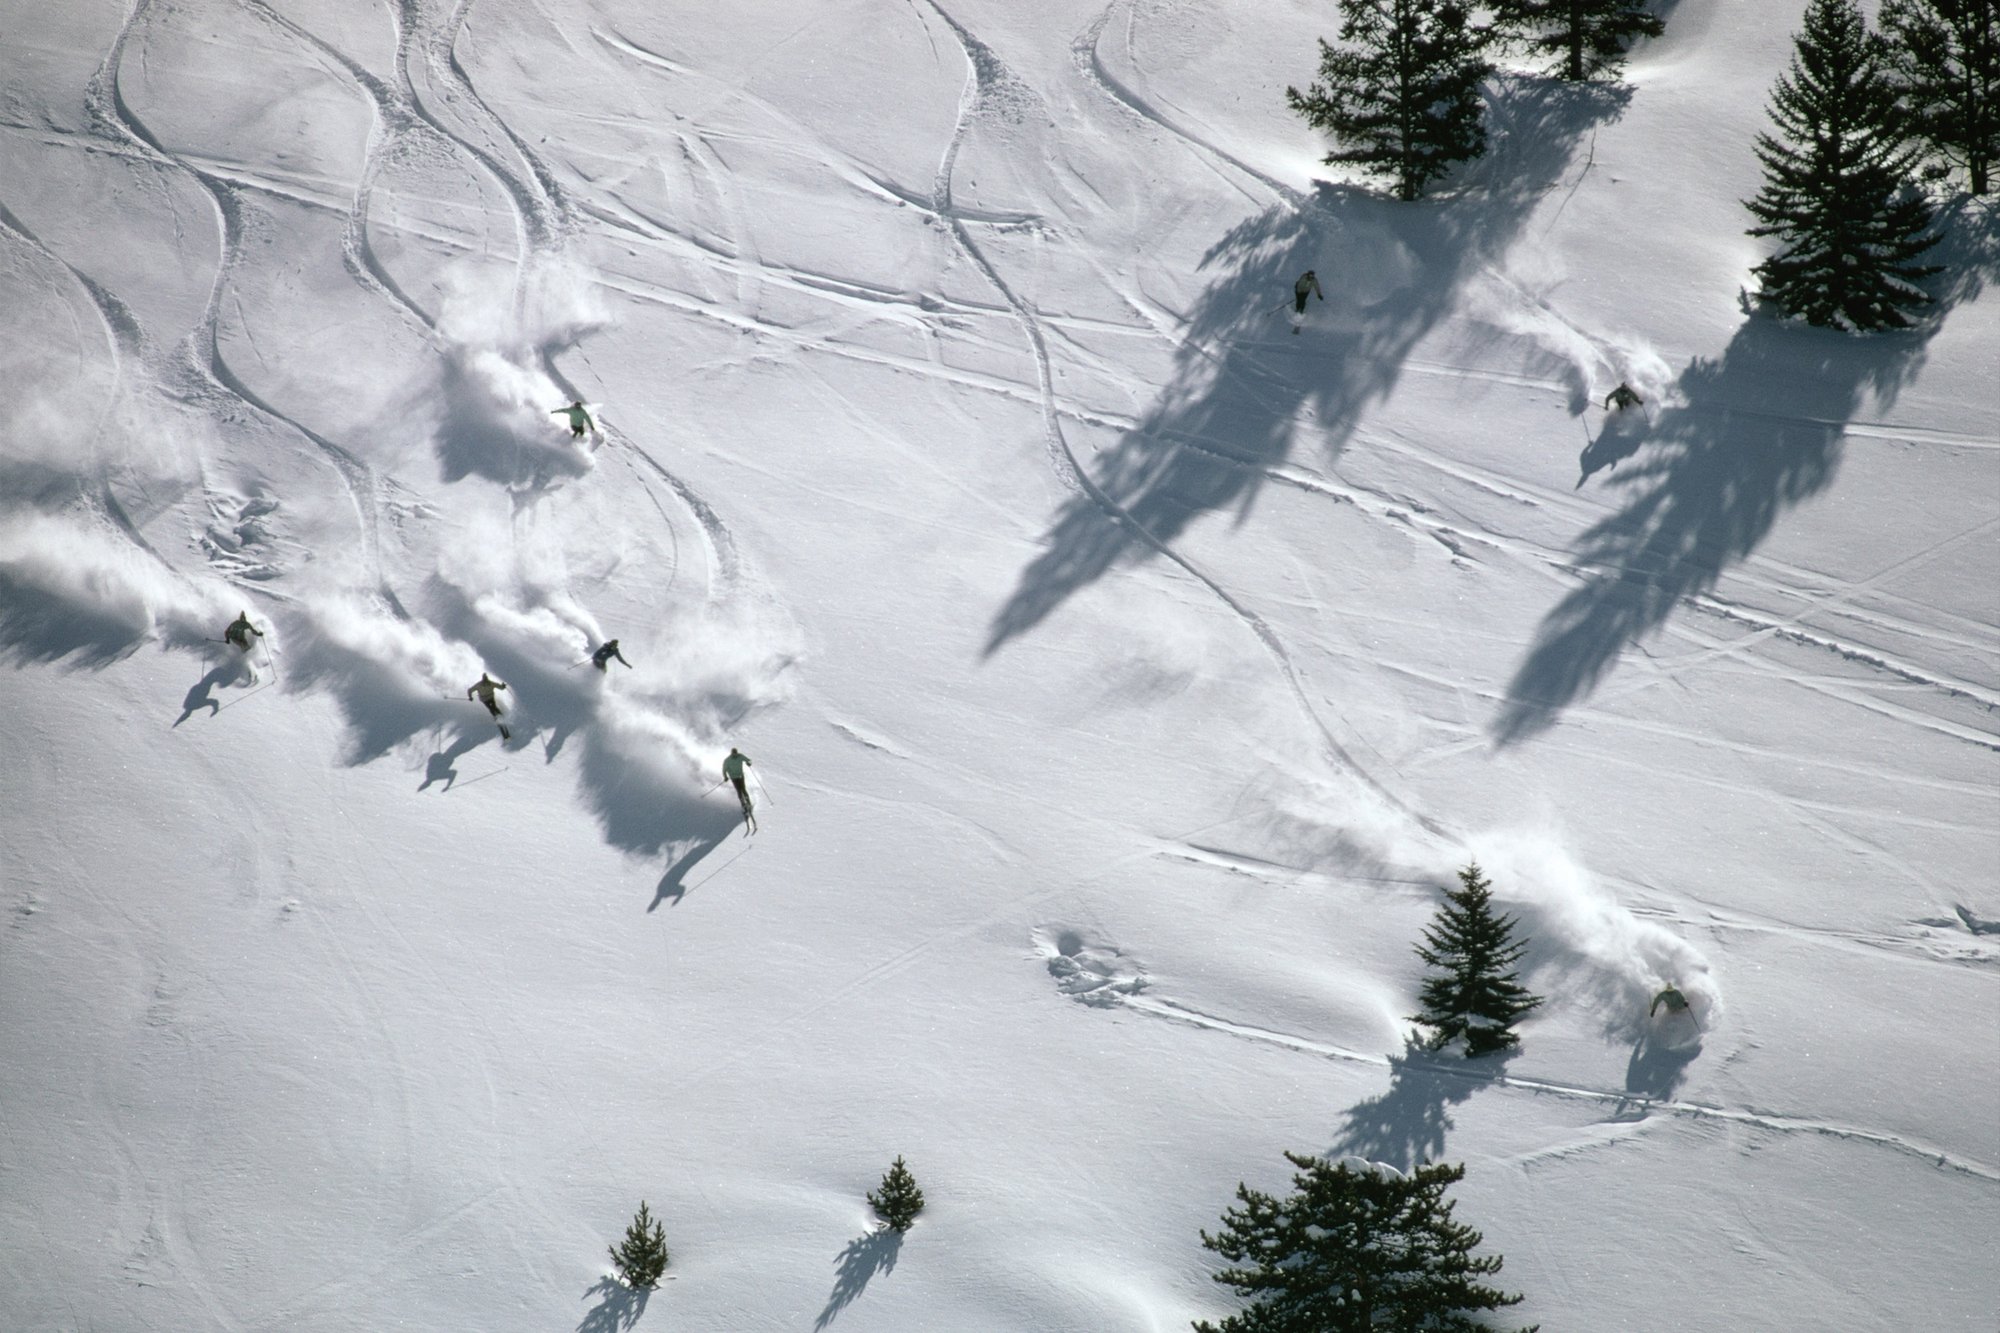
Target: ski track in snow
{"points": [[986, 66], [1172, 1011]]}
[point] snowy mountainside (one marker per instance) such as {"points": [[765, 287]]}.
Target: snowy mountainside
{"points": [[1124, 676]]}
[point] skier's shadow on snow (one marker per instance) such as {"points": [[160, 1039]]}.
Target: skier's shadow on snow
{"points": [[618, 1307], [1406, 1126], [1656, 1071], [1717, 467], [673, 885], [866, 1255], [1617, 440], [1242, 389], [442, 766], [202, 693]]}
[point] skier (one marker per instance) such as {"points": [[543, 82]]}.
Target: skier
{"points": [[483, 689], [1622, 397], [602, 657], [732, 769], [1307, 285], [239, 632], [1676, 1002], [579, 420]]}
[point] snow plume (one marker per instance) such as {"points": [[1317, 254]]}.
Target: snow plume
{"points": [[646, 778], [516, 583], [74, 590], [1583, 945], [1590, 366], [717, 663], [496, 398], [393, 676]]}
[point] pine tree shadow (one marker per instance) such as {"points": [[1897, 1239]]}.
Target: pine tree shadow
{"points": [[1237, 394], [866, 1255], [618, 1307], [1717, 469], [1406, 1126]]}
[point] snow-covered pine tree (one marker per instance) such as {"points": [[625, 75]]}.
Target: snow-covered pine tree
{"points": [[1837, 186], [1354, 1249], [1403, 96], [1475, 992], [1945, 58], [642, 1256], [1584, 38], [898, 1200]]}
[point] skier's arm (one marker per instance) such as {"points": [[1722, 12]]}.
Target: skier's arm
{"points": [[621, 657]]}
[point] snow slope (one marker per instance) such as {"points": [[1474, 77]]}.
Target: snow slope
{"points": [[1125, 676]]}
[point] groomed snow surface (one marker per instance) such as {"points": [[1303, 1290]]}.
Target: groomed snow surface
{"points": [[1125, 676]]}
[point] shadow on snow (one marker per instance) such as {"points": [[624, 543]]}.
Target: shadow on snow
{"points": [[866, 1255], [1392, 271], [1716, 469]]}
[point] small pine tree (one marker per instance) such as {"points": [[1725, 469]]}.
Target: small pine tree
{"points": [[898, 1200], [1945, 58], [642, 1256], [1354, 1251], [1404, 96], [1476, 993], [1837, 188], [1585, 37]]}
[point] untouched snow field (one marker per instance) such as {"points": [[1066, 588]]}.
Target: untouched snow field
{"points": [[1125, 676]]}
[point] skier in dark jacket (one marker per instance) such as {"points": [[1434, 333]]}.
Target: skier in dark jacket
{"points": [[732, 769], [1671, 997], [1307, 285], [1622, 397], [602, 657], [239, 632]]}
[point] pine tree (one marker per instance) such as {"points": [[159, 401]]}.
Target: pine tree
{"points": [[898, 1200], [1404, 96], [1585, 37], [642, 1256], [1475, 993], [1354, 1251], [1945, 58], [1837, 187]]}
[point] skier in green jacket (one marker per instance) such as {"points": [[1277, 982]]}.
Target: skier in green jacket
{"points": [[732, 769], [482, 690], [579, 420], [1671, 997]]}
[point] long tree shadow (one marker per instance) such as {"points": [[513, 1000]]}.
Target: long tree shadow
{"points": [[1748, 435], [618, 1307], [1228, 416], [1718, 468], [866, 1255], [1406, 1126]]}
